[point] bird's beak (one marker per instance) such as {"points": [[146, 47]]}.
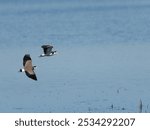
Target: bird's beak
{"points": [[19, 70]]}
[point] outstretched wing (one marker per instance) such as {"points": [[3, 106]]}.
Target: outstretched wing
{"points": [[47, 49], [26, 58], [27, 63]]}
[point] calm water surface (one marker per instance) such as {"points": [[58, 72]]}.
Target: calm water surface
{"points": [[103, 55]]}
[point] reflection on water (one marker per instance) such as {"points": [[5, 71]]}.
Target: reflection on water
{"points": [[102, 63]]}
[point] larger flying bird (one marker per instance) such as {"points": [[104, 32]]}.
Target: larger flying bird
{"points": [[47, 49], [28, 68]]}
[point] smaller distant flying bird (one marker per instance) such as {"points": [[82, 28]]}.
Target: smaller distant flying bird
{"points": [[48, 51], [28, 68]]}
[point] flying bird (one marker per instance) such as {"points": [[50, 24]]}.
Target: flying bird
{"points": [[47, 49], [28, 68]]}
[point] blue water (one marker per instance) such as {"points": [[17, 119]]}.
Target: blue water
{"points": [[103, 56]]}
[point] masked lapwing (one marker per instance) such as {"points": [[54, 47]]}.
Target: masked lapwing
{"points": [[28, 68], [47, 49]]}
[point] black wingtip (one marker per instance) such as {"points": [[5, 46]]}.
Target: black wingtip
{"points": [[35, 79], [32, 76], [46, 46]]}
